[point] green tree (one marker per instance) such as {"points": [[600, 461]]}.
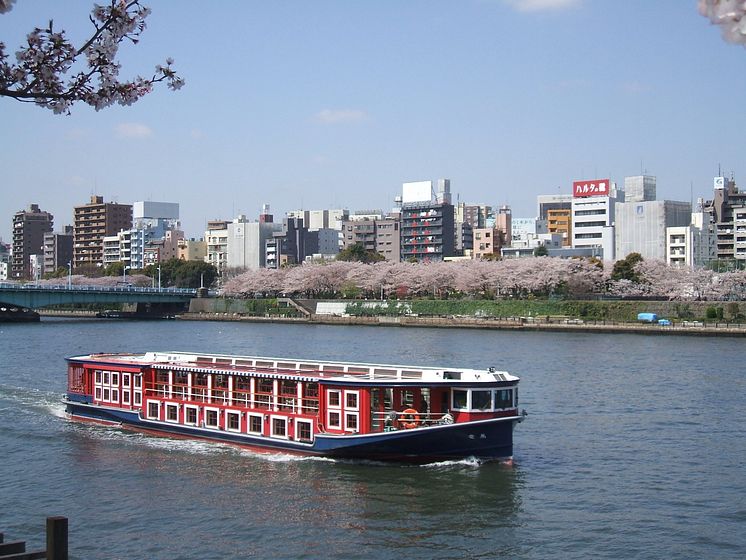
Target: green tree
{"points": [[183, 274], [357, 252], [541, 251], [624, 269]]}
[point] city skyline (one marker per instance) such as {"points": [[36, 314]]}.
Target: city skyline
{"points": [[336, 104]]}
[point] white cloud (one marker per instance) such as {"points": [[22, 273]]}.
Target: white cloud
{"points": [[539, 5], [336, 116], [133, 130]]}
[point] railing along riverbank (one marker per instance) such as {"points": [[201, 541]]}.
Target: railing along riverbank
{"points": [[57, 548], [508, 323]]}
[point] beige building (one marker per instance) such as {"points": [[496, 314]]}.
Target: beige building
{"points": [[93, 222], [378, 235], [192, 250], [560, 221]]}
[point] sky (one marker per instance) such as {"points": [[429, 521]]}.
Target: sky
{"points": [[336, 103]]}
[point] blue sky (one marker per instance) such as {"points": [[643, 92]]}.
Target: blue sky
{"points": [[320, 104]]}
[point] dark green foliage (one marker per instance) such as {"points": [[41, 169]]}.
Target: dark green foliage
{"points": [[356, 252], [541, 251], [183, 274], [714, 313], [624, 269]]}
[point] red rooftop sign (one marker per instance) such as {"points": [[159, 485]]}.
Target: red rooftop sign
{"points": [[597, 187]]}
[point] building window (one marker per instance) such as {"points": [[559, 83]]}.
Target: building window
{"points": [[256, 422]]}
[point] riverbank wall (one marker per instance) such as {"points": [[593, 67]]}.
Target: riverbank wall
{"points": [[234, 310]]}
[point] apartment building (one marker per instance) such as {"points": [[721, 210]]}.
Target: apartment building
{"points": [[94, 221], [29, 227]]}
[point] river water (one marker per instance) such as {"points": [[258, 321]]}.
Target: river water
{"points": [[635, 447]]}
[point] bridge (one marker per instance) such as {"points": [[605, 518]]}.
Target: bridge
{"points": [[36, 296]]}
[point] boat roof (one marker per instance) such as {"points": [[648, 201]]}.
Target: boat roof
{"points": [[305, 370]]}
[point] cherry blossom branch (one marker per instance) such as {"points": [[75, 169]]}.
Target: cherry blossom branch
{"points": [[38, 76]]}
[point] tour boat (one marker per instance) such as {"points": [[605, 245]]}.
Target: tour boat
{"points": [[324, 408]]}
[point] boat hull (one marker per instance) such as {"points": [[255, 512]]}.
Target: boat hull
{"points": [[485, 440]]}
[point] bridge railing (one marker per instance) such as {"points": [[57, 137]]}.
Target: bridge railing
{"points": [[82, 288]]}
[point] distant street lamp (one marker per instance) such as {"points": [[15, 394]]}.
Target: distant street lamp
{"points": [[159, 277], [124, 274], [69, 275]]}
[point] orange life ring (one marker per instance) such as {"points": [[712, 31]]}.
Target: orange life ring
{"points": [[410, 418]]}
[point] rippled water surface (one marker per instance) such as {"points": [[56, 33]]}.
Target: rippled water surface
{"points": [[635, 447]]}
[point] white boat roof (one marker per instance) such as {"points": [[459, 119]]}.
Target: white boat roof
{"points": [[307, 369]]}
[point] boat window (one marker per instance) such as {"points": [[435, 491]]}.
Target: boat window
{"points": [[451, 375], [285, 365], [288, 387], [407, 398], [161, 376], [220, 381], [481, 400], [153, 410], [106, 377], [125, 397], [138, 380], [241, 384], [98, 393], [138, 397], [460, 398], [351, 400], [261, 364], [115, 395], [351, 422], [411, 374], [107, 394], [384, 372], [255, 424], [303, 431], [114, 378], [233, 421], [504, 398], [98, 376], [265, 386], [353, 369], [311, 389], [333, 398], [172, 413], [211, 417], [333, 419], [199, 380], [125, 379], [279, 427], [190, 415]]}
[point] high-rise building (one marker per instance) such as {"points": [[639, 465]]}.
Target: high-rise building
{"points": [[93, 222], [29, 227], [246, 242], [593, 206], [727, 210], [58, 249], [216, 238], [380, 235]]}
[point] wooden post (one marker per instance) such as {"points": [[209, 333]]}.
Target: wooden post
{"points": [[57, 538]]}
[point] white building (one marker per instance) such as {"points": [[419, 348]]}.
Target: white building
{"points": [[216, 238], [641, 226], [521, 230], [593, 216], [246, 243], [691, 246]]}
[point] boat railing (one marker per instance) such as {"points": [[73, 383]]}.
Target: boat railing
{"points": [[408, 419], [222, 397]]}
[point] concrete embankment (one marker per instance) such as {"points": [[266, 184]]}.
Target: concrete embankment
{"points": [[522, 324]]}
